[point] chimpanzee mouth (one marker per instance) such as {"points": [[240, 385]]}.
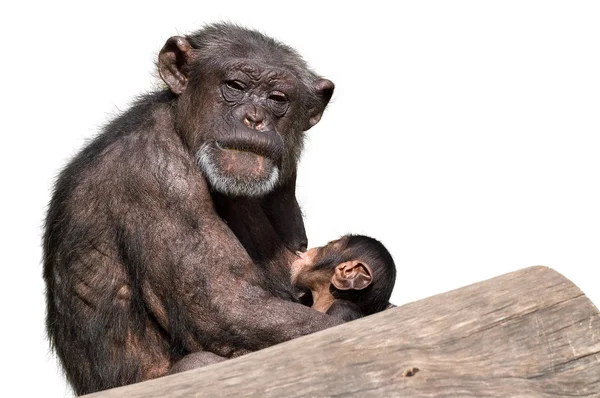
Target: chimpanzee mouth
{"points": [[255, 150], [267, 144], [236, 149], [237, 172]]}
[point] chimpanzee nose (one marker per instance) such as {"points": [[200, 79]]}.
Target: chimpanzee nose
{"points": [[254, 119]]}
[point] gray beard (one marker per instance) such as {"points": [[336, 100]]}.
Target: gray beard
{"points": [[233, 185]]}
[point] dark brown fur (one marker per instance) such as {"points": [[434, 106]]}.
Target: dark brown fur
{"points": [[144, 261]]}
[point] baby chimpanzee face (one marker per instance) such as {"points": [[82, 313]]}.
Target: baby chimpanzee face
{"points": [[354, 269], [321, 266], [331, 265]]}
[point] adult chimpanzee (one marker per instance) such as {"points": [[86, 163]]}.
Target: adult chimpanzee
{"points": [[171, 233]]}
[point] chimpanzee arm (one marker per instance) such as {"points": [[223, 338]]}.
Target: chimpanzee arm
{"points": [[344, 309], [203, 288], [195, 360]]}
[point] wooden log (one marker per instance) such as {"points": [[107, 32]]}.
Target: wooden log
{"points": [[527, 333]]}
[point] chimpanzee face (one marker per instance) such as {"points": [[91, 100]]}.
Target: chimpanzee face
{"points": [[333, 264], [243, 111], [248, 127]]}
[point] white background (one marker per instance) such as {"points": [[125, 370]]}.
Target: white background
{"points": [[464, 135]]}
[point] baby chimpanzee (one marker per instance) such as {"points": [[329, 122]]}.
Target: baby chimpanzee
{"points": [[348, 278]]}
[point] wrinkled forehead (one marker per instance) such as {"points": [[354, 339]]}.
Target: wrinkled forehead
{"points": [[256, 71], [254, 60]]}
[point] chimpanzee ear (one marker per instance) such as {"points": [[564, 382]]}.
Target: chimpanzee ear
{"points": [[324, 91], [352, 275], [173, 63]]}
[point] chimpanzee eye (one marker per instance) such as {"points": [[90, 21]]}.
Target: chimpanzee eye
{"points": [[278, 102], [278, 96], [235, 85]]}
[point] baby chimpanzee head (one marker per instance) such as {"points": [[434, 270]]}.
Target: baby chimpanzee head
{"points": [[350, 277]]}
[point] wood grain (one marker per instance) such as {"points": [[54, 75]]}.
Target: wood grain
{"points": [[528, 333]]}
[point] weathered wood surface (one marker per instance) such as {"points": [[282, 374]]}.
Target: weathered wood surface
{"points": [[527, 333]]}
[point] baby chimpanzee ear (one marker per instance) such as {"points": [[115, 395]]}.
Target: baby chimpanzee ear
{"points": [[352, 275]]}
